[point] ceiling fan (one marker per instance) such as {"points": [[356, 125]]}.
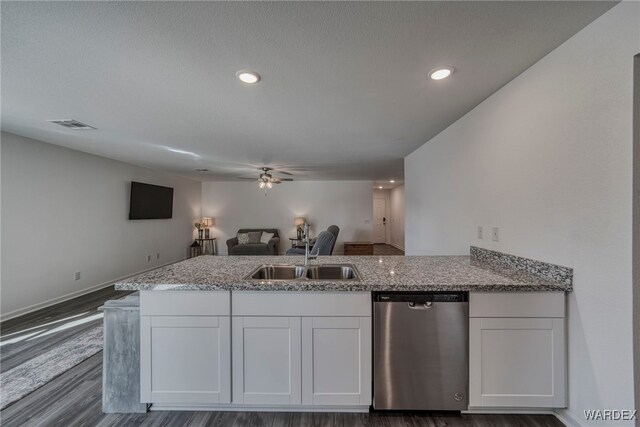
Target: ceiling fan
{"points": [[266, 179]]}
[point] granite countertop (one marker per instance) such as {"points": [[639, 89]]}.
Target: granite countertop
{"points": [[378, 273]]}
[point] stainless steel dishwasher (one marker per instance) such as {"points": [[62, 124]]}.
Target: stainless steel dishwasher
{"points": [[420, 350]]}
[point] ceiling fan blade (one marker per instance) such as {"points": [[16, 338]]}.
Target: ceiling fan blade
{"points": [[246, 179], [284, 179], [284, 172]]}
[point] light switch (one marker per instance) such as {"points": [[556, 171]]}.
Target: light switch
{"points": [[480, 232], [494, 234]]}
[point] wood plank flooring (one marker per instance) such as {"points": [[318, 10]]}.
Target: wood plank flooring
{"points": [[28, 336], [75, 397], [384, 249]]}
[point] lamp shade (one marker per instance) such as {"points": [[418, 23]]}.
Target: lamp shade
{"points": [[208, 222], [299, 221]]}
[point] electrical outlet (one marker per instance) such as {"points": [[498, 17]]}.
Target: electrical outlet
{"points": [[76, 275], [494, 234], [158, 255], [148, 258], [480, 232]]}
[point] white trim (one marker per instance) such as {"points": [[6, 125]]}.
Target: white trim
{"points": [[515, 411], [258, 408], [568, 418], [57, 300]]}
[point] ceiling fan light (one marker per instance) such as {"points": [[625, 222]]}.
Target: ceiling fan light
{"points": [[269, 185], [261, 184]]}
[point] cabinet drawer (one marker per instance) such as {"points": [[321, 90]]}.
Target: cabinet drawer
{"points": [[516, 304], [301, 303], [185, 303]]}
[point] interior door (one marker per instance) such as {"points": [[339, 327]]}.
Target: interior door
{"points": [[379, 221]]}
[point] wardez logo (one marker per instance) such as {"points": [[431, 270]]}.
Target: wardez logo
{"points": [[609, 414]]}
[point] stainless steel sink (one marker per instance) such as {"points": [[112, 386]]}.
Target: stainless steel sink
{"points": [[332, 272], [278, 272], [274, 272]]}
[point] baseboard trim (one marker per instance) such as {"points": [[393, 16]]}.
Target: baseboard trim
{"points": [[514, 411], [259, 408], [67, 297], [567, 418]]}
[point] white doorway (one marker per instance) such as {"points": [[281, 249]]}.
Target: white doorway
{"points": [[379, 221]]}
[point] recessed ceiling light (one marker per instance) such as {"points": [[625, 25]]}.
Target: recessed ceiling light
{"points": [[380, 187], [440, 73], [248, 76], [392, 181]]}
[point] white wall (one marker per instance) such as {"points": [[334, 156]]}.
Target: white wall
{"points": [[547, 159], [235, 205], [396, 201], [66, 211]]}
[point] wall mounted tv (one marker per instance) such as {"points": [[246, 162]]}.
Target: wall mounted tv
{"points": [[150, 201]]}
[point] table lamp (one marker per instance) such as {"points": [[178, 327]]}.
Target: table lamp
{"points": [[299, 222], [207, 223]]}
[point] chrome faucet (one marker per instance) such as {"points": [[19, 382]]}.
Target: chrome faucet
{"points": [[307, 257]]}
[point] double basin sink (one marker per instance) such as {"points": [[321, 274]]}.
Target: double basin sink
{"points": [[300, 272]]}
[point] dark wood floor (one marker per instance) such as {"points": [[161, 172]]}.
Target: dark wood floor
{"points": [[384, 249], [28, 336], [75, 397]]}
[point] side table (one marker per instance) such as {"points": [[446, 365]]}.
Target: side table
{"points": [[208, 246]]}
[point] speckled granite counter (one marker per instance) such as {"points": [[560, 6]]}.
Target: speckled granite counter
{"points": [[378, 273]]}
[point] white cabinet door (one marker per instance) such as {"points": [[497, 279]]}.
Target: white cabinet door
{"points": [[336, 361], [517, 362], [185, 359], [266, 360]]}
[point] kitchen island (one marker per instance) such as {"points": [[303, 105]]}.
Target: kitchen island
{"points": [[211, 338], [378, 273]]}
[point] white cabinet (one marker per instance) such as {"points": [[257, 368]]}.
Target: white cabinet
{"points": [[517, 362], [266, 360], [302, 348], [185, 347], [185, 360], [278, 349], [336, 361]]}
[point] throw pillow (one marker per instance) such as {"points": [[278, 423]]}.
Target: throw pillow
{"points": [[243, 238], [266, 237], [254, 236]]}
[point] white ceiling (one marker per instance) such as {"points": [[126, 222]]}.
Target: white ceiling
{"points": [[344, 91]]}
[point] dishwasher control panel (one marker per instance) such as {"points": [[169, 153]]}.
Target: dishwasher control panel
{"points": [[420, 297]]}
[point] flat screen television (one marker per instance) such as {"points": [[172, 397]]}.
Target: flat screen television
{"points": [[150, 201]]}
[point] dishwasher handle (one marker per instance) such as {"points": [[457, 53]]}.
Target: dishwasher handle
{"points": [[427, 305]]}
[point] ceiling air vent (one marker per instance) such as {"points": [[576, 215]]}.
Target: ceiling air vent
{"points": [[72, 124]]}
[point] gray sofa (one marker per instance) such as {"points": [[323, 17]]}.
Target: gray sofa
{"points": [[270, 248]]}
